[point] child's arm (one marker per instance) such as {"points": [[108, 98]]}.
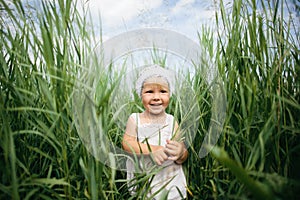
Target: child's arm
{"points": [[131, 145]]}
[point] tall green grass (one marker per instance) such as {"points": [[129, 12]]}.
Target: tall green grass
{"points": [[258, 58], [42, 156]]}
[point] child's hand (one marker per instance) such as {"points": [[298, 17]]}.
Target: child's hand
{"points": [[159, 155], [174, 149]]}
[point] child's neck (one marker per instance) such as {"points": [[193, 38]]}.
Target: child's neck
{"points": [[154, 118]]}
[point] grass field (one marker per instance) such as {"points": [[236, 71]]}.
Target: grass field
{"points": [[42, 156]]}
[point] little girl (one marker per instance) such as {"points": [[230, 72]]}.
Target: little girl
{"points": [[153, 135]]}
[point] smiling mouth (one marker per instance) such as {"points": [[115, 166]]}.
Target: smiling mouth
{"points": [[155, 104]]}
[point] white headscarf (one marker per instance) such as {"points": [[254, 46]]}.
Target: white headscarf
{"points": [[155, 71]]}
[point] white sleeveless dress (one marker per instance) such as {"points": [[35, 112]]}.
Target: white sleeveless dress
{"points": [[157, 134]]}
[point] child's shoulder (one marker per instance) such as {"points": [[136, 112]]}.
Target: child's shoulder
{"points": [[134, 115], [170, 116]]}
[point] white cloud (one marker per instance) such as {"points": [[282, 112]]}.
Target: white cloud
{"points": [[182, 5], [116, 12], [192, 15]]}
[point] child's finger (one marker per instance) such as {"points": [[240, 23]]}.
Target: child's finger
{"points": [[171, 142], [172, 146], [171, 152], [173, 158]]}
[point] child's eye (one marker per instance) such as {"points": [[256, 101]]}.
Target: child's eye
{"points": [[149, 91], [164, 91]]}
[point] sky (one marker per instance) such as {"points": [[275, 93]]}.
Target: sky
{"points": [[183, 16]]}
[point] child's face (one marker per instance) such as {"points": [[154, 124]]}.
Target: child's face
{"points": [[155, 95]]}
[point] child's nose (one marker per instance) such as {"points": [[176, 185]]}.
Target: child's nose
{"points": [[156, 95]]}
